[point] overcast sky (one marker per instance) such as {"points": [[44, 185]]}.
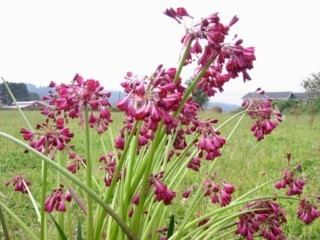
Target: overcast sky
{"points": [[43, 40]]}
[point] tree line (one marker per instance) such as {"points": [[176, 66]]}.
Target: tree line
{"points": [[19, 90]]}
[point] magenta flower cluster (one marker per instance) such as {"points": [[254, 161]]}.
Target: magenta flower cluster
{"points": [[264, 218], [221, 194], [19, 183], [307, 212], [160, 105], [57, 200], [70, 100], [49, 136], [261, 110], [161, 191], [294, 185], [151, 100], [109, 163], [208, 47], [210, 141]]}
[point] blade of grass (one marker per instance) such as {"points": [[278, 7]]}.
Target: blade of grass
{"points": [[4, 225], [19, 221], [60, 231], [76, 181]]}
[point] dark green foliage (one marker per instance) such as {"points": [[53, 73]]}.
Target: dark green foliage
{"points": [[60, 231], [298, 106], [19, 90], [79, 231], [171, 227], [312, 86], [199, 96]]}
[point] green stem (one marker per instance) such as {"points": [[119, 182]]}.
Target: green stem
{"points": [[145, 182], [230, 119], [110, 191], [33, 201], [88, 175], [193, 85], [43, 199], [230, 206], [183, 60], [76, 181], [19, 221], [222, 236], [235, 127], [61, 214], [4, 225], [256, 189], [213, 229]]}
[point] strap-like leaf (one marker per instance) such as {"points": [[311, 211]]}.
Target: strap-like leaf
{"points": [[171, 227], [79, 231], [61, 232]]}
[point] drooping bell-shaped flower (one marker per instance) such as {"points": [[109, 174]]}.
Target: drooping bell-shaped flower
{"points": [[57, 200], [19, 183]]}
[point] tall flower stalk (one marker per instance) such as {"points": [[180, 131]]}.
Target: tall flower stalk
{"points": [[163, 140], [88, 175]]}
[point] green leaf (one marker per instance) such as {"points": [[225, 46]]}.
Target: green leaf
{"points": [[61, 232], [170, 227], [79, 231], [4, 226]]}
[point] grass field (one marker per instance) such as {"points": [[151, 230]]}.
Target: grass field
{"points": [[244, 162]]}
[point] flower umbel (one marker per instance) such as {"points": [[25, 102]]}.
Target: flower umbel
{"points": [[19, 183], [265, 220], [307, 212], [57, 200], [70, 100], [49, 137], [260, 109]]}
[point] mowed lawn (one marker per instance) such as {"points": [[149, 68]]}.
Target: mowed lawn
{"points": [[245, 162]]}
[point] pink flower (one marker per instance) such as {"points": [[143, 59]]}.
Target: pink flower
{"points": [[136, 199], [109, 167], [218, 194], [194, 164], [72, 98], [119, 142], [210, 141], [162, 192], [295, 185], [209, 47], [19, 183], [151, 100], [265, 221], [49, 137], [56, 201], [75, 163], [187, 193], [307, 212], [177, 14], [261, 110]]}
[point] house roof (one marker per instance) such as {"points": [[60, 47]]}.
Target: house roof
{"points": [[25, 104], [300, 95], [278, 95]]}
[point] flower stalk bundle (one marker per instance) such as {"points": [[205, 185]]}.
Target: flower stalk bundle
{"points": [[162, 141]]}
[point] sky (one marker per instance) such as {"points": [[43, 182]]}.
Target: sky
{"points": [[44, 40]]}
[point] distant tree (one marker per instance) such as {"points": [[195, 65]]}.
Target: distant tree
{"points": [[33, 96], [312, 86], [199, 96], [20, 92]]}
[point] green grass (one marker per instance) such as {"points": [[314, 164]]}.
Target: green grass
{"points": [[244, 162]]}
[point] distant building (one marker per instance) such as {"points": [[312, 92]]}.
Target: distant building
{"points": [[279, 95], [27, 105]]}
